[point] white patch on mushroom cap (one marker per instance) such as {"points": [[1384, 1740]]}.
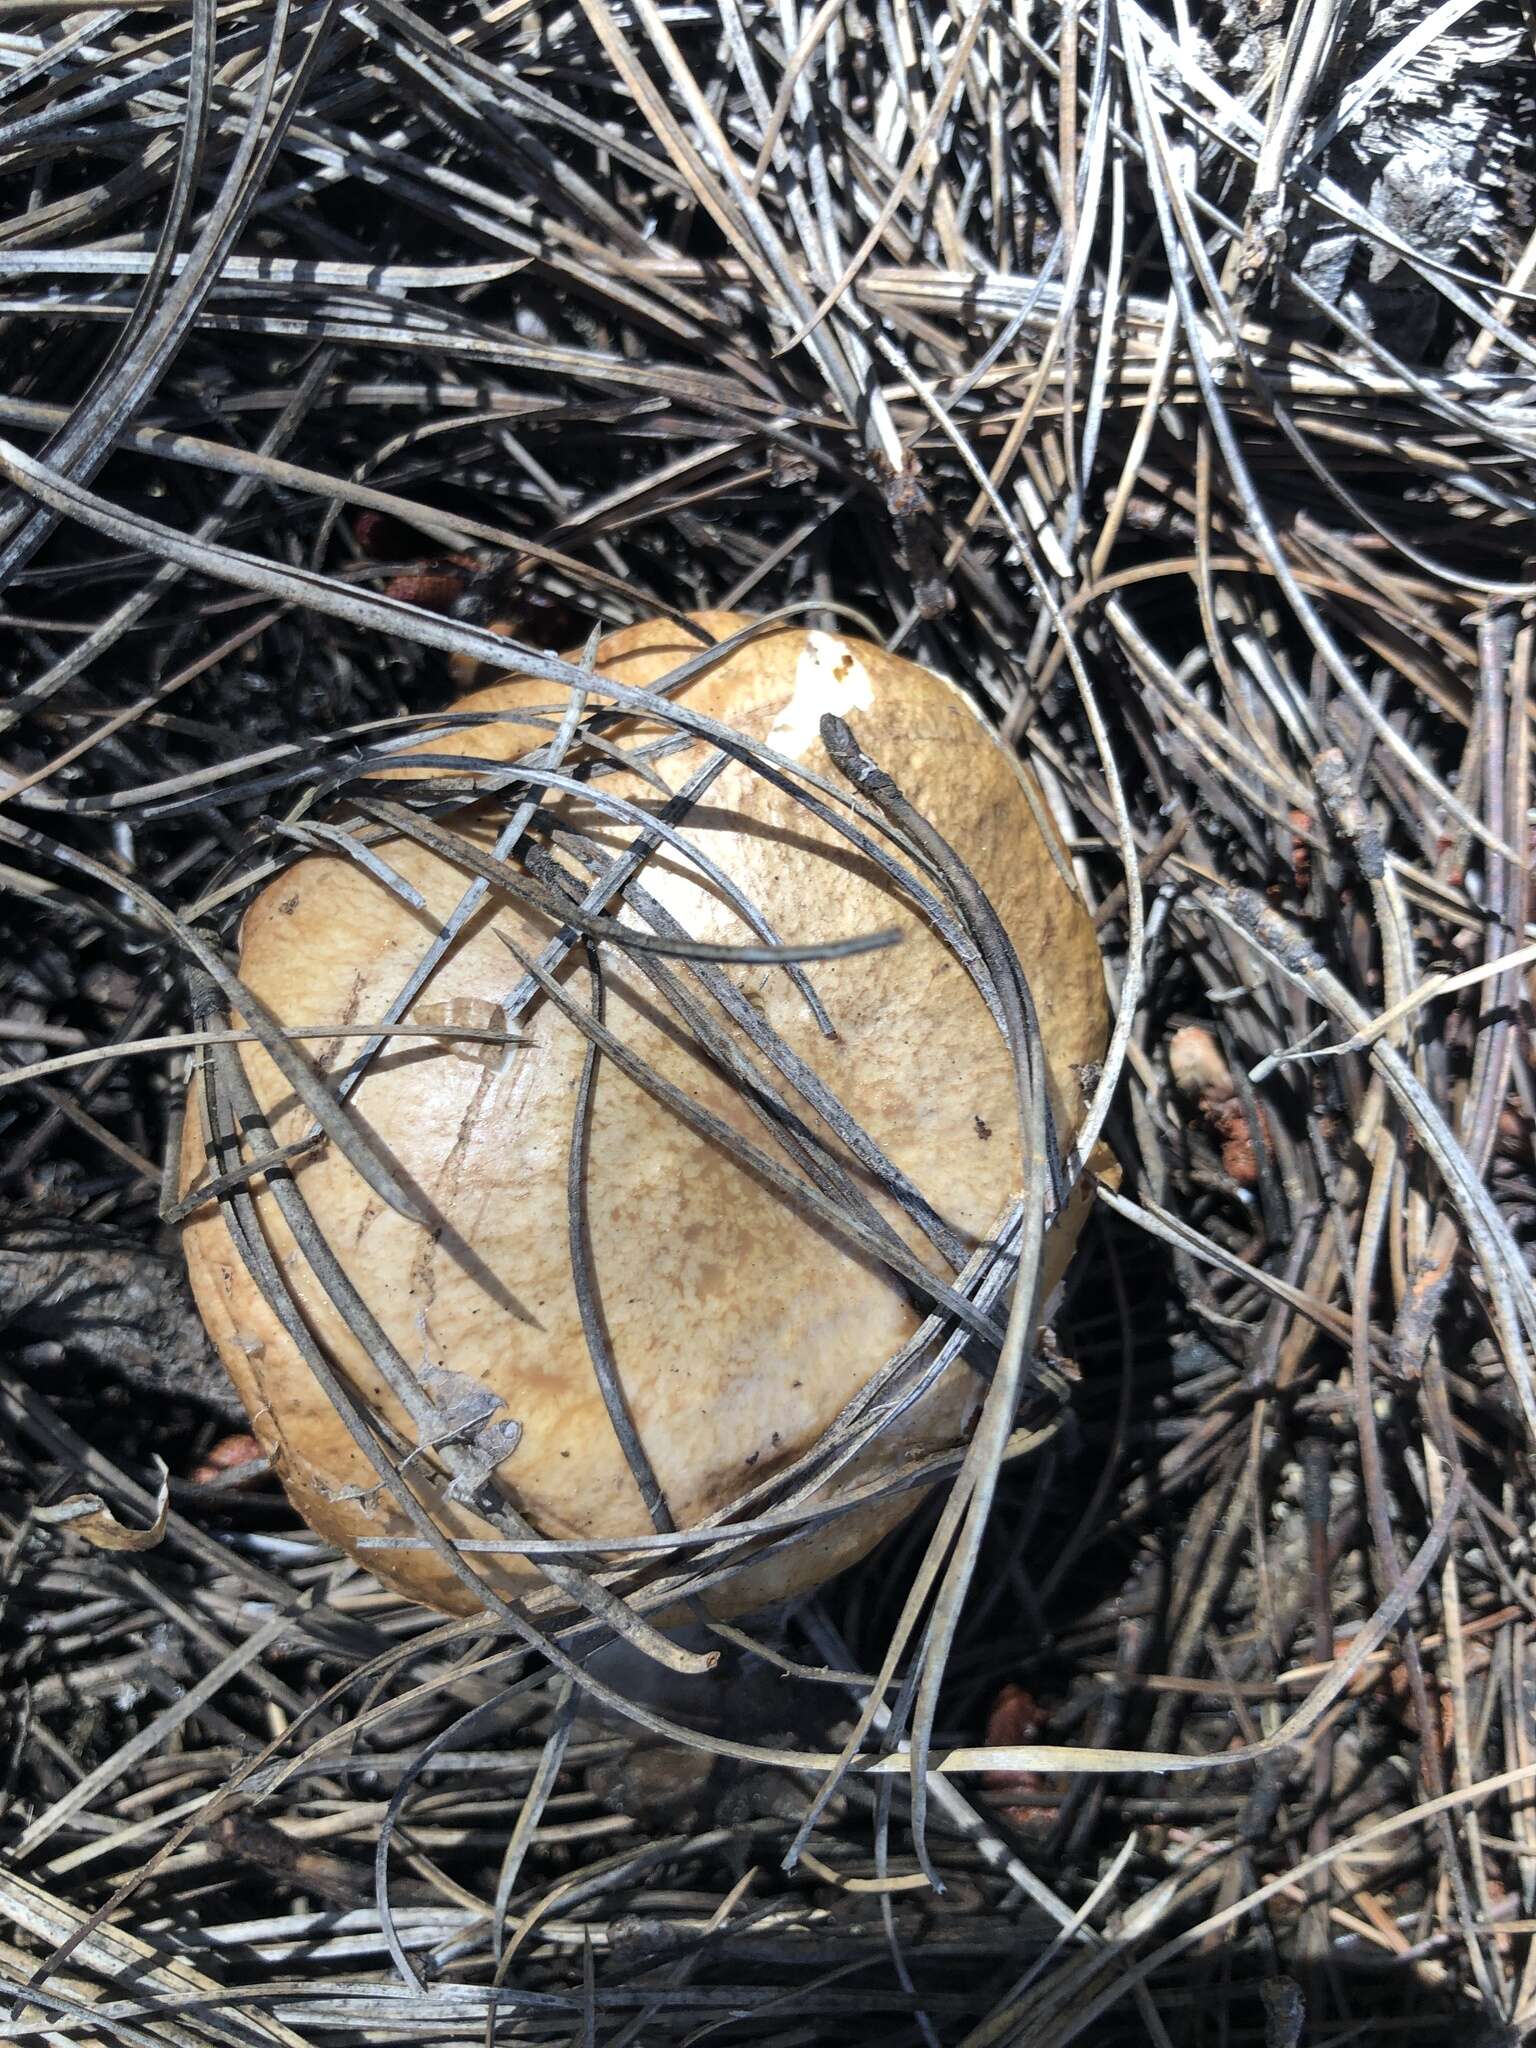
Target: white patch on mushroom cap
{"points": [[829, 676]]}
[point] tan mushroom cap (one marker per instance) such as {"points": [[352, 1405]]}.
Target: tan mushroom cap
{"points": [[739, 1327]]}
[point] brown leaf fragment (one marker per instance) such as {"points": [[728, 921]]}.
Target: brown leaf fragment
{"points": [[87, 1515]]}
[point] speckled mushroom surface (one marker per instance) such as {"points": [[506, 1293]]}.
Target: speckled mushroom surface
{"points": [[739, 1327]]}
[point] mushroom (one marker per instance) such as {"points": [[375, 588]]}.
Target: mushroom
{"points": [[739, 1325]]}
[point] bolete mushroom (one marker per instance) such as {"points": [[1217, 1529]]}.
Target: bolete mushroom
{"points": [[738, 1323]]}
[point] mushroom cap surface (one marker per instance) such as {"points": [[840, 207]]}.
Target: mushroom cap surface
{"points": [[739, 1326]]}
